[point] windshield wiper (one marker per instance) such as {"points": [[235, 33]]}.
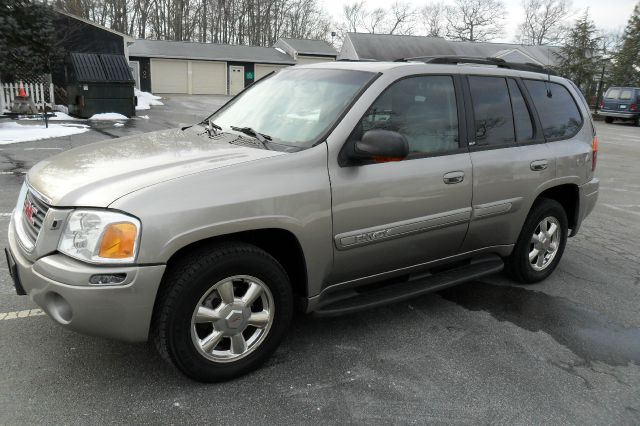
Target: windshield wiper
{"points": [[261, 137], [212, 128]]}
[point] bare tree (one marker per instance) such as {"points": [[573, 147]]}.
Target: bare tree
{"points": [[353, 15], [475, 20], [433, 18], [375, 20], [544, 21], [402, 16]]}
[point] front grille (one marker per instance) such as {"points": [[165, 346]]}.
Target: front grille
{"points": [[38, 213]]}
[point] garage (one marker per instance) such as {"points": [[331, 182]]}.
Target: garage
{"points": [[208, 78], [262, 69], [189, 68], [169, 76], [302, 60]]}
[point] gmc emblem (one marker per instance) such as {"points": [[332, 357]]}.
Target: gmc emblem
{"points": [[30, 211]]}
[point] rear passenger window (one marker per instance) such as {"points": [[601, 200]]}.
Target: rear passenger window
{"points": [[558, 111], [492, 110], [521, 113], [423, 109]]}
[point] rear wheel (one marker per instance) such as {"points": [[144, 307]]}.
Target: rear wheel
{"points": [[608, 120], [541, 243], [222, 311], [636, 121]]}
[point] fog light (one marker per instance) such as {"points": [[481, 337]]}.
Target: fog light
{"points": [[107, 279]]}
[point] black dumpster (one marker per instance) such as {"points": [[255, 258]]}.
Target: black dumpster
{"points": [[98, 83]]}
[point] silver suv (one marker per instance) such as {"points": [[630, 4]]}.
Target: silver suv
{"points": [[333, 187]]}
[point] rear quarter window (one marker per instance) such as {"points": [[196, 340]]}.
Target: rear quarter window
{"points": [[558, 111]]}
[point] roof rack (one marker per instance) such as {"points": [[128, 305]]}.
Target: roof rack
{"points": [[497, 62]]}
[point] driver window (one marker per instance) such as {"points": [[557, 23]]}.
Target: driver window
{"points": [[423, 109]]}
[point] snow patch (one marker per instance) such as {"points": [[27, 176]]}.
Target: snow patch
{"points": [[146, 100], [108, 116], [59, 116], [118, 125], [62, 108], [14, 132], [146, 117]]}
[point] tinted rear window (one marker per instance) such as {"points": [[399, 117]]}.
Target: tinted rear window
{"points": [[492, 110], [612, 94], [556, 107], [521, 114], [626, 95]]}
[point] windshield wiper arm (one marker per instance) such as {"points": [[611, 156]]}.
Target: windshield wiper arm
{"points": [[212, 128], [261, 137]]}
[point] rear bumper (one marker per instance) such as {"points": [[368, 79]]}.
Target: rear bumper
{"points": [[60, 286], [616, 114], [588, 197]]}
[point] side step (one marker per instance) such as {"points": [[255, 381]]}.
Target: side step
{"points": [[354, 300]]}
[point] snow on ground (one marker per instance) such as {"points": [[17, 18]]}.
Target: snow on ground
{"points": [[146, 117], [118, 125], [14, 132], [146, 100], [59, 116], [108, 116]]}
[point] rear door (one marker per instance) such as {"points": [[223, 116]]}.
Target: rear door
{"points": [[509, 156], [611, 101], [393, 215]]}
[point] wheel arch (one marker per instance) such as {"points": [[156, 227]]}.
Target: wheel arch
{"points": [[280, 243], [568, 195]]}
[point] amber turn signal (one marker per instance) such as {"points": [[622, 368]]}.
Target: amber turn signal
{"points": [[118, 241]]}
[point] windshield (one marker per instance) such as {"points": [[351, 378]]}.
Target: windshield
{"points": [[294, 106]]}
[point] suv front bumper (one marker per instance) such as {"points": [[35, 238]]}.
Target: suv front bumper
{"points": [[60, 286]]}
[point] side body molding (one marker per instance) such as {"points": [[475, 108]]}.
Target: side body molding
{"points": [[361, 237]]}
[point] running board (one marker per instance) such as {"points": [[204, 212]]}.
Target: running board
{"points": [[354, 300]]}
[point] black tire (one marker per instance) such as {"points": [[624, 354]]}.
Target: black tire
{"points": [[518, 266], [608, 120], [636, 121], [188, 280]]}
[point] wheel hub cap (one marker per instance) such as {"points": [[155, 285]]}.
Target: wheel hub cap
{"points": [[544, 243], [232, 318]]}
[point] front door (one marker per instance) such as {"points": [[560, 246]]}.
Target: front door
{"points": [[390, 216], [236, 79]]}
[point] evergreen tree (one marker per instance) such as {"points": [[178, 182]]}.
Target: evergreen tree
{"points": [[580, 55], [626, 62], [27, 39]]}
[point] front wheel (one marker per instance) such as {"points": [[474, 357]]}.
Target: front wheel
{"points": [[222, 311], [541, 243]]}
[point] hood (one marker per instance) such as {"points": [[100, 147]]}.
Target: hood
{"points": [[97, 174]]}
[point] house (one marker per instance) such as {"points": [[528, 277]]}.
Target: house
{"points": [[305, 51], [384, 47], [202, 68]]}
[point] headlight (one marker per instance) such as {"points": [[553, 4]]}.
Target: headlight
{"points": [[99, 236]]}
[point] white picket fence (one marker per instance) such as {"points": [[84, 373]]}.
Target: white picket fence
{"points": [[40, 93]]}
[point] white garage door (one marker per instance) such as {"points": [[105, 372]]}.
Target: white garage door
{"points": [[262, 69], [312, 59], [209, 78], [169, 76]]}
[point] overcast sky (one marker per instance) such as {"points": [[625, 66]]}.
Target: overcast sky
{"points": [[609, 15]]}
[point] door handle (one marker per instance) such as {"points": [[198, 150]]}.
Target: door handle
{"points": [[539, 165], [453, 177]]}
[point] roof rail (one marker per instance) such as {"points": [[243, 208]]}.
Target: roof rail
{"points": [[497, 62]]}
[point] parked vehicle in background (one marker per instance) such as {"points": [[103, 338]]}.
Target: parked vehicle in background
{"points": [[621, 103], [335, 187]]}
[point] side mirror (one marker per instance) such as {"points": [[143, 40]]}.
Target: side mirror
{"points": [[380, 145]]}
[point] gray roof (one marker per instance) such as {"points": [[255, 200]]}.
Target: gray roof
{"points": [[383, 47], [310, 47], [208, 51]]}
